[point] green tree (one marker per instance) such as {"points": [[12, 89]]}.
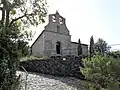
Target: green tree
{"points": [[91, 48], [29, 12], [115, 54], [79, 48], [16, 15], [101, 46], [103, 70]]}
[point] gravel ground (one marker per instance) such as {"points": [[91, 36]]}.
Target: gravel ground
{"points": [[48, 82]]}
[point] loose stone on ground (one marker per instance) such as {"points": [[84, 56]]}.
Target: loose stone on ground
{"points": [[48, 82]]}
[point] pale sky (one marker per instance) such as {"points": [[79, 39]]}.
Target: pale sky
{"points": [[84, 18]]}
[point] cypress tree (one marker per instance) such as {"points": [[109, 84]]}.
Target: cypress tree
{"points": [[79, 48], [91, 48]]}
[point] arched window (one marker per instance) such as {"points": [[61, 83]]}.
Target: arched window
{"points": [[58, 45], [60, 21], [53, 18]]}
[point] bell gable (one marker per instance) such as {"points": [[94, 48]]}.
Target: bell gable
{"points": [[57, 24]]}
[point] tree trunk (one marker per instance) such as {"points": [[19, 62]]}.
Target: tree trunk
{"points": [[3, 12], [7, 18], [7, 15]]}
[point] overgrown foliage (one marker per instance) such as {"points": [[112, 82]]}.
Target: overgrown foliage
{"points": [[101, 46], [115, 54], [103, 70], [10, 51], [16, 15], [101, 67], [29, 12], [55, 66]]}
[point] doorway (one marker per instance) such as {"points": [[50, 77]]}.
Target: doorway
{"points": [[58, 45]]}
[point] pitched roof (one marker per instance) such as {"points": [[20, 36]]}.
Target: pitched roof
{"points": [[81, 44], [44, 31], [37, 38]]}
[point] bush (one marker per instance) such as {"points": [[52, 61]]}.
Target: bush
{"points": [[54, 66], [103, 70]]}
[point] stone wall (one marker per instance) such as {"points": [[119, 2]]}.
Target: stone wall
{"points": [[54, 38], [69, 66], [38, 47]]}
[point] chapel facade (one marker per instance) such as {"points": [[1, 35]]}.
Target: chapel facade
{"points": [[55, 39]]}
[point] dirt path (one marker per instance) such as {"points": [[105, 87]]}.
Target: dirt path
{"points": [[48, 82]]}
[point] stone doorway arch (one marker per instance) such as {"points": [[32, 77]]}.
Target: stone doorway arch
{"points": [[58, 47]]}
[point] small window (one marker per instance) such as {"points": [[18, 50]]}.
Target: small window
{"points": [[53, 18], [60, 21]]}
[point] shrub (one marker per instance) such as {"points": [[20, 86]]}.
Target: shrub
{"points": [[55, 66], [103, 70]]}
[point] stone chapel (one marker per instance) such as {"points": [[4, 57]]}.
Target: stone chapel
{"points": [[55, 39]]}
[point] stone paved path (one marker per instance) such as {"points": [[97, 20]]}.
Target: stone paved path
{"points": [[48, 82]]}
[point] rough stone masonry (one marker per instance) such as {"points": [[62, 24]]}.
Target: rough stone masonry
{"points": [[55, 39]]}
